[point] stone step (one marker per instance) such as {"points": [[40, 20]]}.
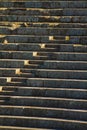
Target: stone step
{"points": [[16, 55], [47, 92], [45, 12], [43, 25], [33, 39], [31, 47], [59, 52], [26, 55], [12, 63], [45, 64], [43, 4], [43, 39], [69, 65], [54, 83], [15, 88], [47, 102], [12, 81], [44, 31], [50, 123], [65, 56], [9, 72], [21, 55], [72, 114], [9, 47], [51, 92], [62, 19], [60, 74], [26, 47], [61, 47], [54, 64]]}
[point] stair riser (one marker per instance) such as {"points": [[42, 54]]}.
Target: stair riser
{"points": [[61, 75], [65, 65], [56, 83], [65, 56], [7, 72], [52, 93], [69, 57], [11, 64], [16, 55]]}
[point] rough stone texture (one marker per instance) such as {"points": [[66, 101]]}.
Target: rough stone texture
{"points": [[43, 65]]}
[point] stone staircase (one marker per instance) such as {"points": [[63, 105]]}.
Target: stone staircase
{"points": [[43, 65]]}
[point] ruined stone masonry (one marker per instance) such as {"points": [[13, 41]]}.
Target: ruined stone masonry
{"points": [[43, 65]]}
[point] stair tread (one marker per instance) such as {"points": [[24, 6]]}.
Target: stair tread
{"points": [[45, 98], [18, 128], [45, 108], [39, 118]]}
